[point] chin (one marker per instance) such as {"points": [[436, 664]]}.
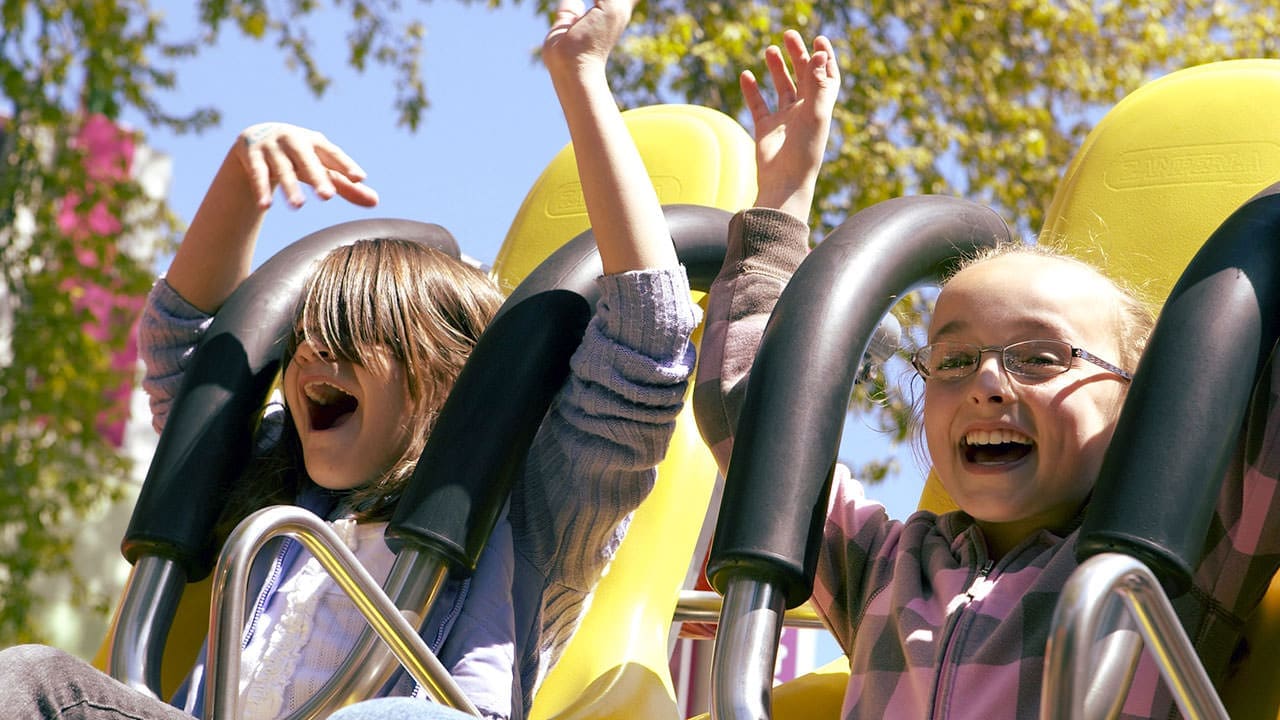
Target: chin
{"points": [[330, 479]]}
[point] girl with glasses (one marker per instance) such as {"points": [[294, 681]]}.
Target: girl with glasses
{"points": [[1027, 364]]}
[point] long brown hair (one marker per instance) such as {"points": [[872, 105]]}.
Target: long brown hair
{"points": [[382, 294]]}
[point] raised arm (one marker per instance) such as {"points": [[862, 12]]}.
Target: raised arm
{"points": [[767, 242], [216, 254], [791, 140], [625, 213], [217, 251]]}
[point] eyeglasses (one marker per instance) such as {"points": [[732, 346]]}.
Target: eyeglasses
{"points": [[1030, 359]]}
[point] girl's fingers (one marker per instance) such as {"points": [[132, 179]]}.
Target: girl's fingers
{"points": [[794, 45], [281, 171], [354, 192], [822, 44], [782, 82], [754, 99], [335, 158], [304, 163], [259, 176]]}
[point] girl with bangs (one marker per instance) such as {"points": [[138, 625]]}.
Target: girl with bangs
{"points": [[382, 331]]}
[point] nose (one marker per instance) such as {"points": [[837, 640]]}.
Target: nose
{"points": [[990, 383], [310, 351]]}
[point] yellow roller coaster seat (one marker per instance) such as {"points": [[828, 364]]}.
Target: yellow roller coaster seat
{"points": [[617, 664], [1160, 172]]}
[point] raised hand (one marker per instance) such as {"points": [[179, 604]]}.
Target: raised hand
{"points": [[216, 253], [281, 154], [791, 139], [626, 217], [581, 37]]}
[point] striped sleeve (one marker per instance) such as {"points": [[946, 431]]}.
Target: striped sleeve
{"points": [[1243, 546], [168, 332], [596, 455], [764, 249]]}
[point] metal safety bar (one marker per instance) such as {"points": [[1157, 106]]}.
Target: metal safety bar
{"points": [[230, 581], [1086, 609], [414, 581], [703, 606], [746, 649], [147, 608]]}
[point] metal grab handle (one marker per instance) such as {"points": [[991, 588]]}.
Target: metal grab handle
{"points": [[703, 606], [746, 650], [147, 607], [230, 581], [413, 583], [1083, 612]]}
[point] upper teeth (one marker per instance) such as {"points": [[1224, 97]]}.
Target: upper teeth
{"points": [[322, 392], [995, 437]]}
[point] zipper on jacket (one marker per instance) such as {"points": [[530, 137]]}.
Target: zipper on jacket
{"points": [[944, 667], [268, 589], [979, 579]]}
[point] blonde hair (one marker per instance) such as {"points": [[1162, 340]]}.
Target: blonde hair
{"points": [[365, 300], [1136, 317]]}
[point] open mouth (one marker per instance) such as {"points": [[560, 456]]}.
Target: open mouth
{"points": [[328, 406], [995, 447]]}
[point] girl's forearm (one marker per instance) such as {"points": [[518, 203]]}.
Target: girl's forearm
{"points": [[626, 215], [217, 252]]}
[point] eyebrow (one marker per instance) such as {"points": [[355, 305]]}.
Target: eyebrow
{"points": [[961, 325]]}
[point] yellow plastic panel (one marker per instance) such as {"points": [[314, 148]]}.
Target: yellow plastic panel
{"points": [[1167, 165], [694, 155], [934, 497], [617, 664]]}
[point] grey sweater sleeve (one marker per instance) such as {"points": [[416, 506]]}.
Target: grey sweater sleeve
{"points": [[595, 457], [168, 332]]}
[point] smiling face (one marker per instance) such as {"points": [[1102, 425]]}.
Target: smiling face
{"points": [[1018, 454], [354, 422]]}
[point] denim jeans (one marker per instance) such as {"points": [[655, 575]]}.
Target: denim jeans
{"points": [[49, 684]]}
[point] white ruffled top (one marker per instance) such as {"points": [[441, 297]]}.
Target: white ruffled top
{"points": [[287, 661]]}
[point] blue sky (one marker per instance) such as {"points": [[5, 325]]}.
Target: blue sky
{"points": [[492, 127]]}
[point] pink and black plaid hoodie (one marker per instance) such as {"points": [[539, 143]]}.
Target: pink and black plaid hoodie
{"points": [[932, 626]]}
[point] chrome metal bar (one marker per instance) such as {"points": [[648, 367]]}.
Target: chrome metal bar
{"points": [[746, 649], [1082, 613], [222, 696], [413, 584], [704, 606], [146, 611], [1115, 657]]}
